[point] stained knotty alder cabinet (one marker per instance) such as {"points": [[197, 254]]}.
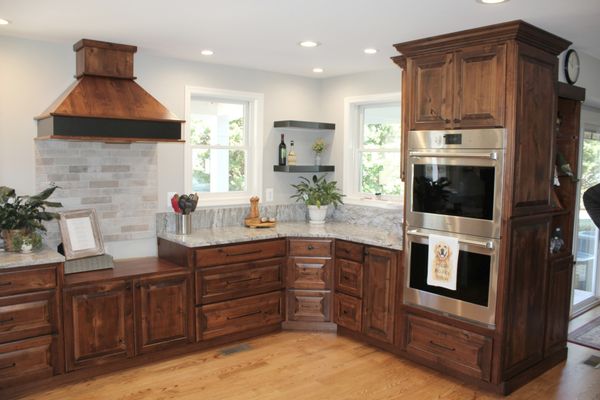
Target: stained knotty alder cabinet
{"points": [[459, 89], [129, 315], [502, 75]]}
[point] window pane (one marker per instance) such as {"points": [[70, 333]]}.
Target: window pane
{"points": [[200, 170], [381, 126], [218, 170], [380, 172], [217, 123]]}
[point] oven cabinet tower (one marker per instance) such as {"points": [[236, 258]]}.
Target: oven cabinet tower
{"points": [[499, 76]]}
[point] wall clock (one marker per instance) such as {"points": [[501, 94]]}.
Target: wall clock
{"points": [[572, 66]]}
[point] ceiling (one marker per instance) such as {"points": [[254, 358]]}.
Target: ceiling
{"points": [[263, 34]]}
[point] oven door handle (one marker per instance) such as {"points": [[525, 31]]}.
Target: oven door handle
{"points": [[491, 155], [488, 244]]}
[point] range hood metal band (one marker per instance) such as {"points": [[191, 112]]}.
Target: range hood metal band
{"points": [[109, 128]]}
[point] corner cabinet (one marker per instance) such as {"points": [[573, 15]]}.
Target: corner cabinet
{"points": [[460, 89]]}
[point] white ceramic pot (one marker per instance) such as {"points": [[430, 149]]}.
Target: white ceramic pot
{"points": [[317, 214]]}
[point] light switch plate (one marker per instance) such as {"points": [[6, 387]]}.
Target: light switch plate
{"points": [[269, 194]]}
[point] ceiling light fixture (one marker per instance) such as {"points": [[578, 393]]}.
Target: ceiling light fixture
{"points": [[491, 1], [4, 22], [207, 52], [309, 43], [370, 50], [317, 70]]}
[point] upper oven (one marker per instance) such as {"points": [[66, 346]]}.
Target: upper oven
{"points": [[454, 180]]}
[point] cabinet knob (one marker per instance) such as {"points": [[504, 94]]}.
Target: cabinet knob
{"points": [[447, 120], [366, 252], [456, 120], [311, 247], [138, 285], [128, 286]]}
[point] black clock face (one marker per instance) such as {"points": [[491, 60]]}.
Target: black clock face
{"points": [[572, 66]]}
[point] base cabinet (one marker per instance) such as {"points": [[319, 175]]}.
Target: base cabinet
{"points": [[559, 302], [309, 305], [347, 311], [162, 317], [380, 293], [98, 324]]}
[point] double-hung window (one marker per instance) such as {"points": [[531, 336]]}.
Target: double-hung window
{"points": [[223, 145], [372, 137]]}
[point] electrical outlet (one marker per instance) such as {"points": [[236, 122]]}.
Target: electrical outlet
{"points": [[169, 197], [269, 194]]}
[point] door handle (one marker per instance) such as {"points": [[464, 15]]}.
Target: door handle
{"points": [[488, 244], [491, 155]]}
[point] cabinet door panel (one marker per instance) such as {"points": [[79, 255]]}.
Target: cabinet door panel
{"points": [[480, 88], [431, 92], [27, 315], [380, 294], [526, 303], [347, 311], [559, 301], [309, 305], [98, 323], [309, 273], [162, 312], [349, 277]]}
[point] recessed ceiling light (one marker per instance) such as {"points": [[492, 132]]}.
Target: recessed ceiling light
{"points": [[4, 22], [370, 51], [207, 52], [491, 1], [309, 43], [317, 70]]}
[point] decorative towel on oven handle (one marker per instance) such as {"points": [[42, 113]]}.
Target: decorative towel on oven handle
{"points": [[442, 261]]}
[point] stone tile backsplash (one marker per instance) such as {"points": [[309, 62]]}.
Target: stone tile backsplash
{"points": [[118, 180]]}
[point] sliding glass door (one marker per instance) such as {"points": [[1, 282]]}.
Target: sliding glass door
{"points": [[586, 276]]}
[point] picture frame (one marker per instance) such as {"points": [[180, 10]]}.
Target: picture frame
{"points": [[80, 234]]}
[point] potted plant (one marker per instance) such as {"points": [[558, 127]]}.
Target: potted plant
{"points": [[21, 217], [318, 147], [317, 195]]}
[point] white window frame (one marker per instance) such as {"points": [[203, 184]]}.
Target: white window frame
{"points": [[352, 131], [254, 137]]}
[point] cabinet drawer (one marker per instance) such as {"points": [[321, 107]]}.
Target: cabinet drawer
{"points": [[239, 253], [309, 273], [239, 280], [461, 350], [27, 280], [347, 311], [309, 305], [27, 315], [310, 248], [25, 359], [239, 315], [349, 277], [349, 250]]}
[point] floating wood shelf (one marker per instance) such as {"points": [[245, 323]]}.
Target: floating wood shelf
{"points": [[304, 125], [303, 168]]}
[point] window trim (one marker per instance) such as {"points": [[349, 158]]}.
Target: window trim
{"points": [[254, 163], [352, 107]]}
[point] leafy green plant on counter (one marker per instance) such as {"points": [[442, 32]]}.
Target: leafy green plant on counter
{"points": [[26, 212], [317, 192]]}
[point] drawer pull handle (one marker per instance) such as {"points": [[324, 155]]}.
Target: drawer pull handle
{"points": [[244, 315], [311, 247], [441, 346], [245, 280], [245, 253], [8, 283], [9, 366], [3, 321]]}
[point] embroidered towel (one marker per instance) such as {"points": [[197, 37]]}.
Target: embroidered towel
{"points": [[442, 261]]}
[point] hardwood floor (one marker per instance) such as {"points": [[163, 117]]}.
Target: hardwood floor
{"points": [[310, 365]]}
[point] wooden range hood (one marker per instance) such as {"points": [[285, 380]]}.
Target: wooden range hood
{"points": [[105, 103]]}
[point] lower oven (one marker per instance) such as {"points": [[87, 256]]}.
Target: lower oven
{"points": [[477, 277]]}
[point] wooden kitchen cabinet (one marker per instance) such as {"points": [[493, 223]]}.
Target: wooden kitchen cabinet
{"points": [[310, 273], [379, 296], [460, 89], [162, 316], [98, 323], [559, 304]]}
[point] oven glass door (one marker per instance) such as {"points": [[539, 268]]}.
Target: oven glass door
{"points": [[475, 294], [456, 191]]}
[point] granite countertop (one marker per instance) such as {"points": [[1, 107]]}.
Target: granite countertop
{"points": [[44, 256], [335, 230]]}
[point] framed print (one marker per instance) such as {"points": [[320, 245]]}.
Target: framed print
{"points": [[81, 234]]}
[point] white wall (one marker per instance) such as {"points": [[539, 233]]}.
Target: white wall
{"points": [[589, 77]]}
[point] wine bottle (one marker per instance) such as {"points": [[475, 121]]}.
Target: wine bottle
{"points": [[282, 152], [291, 158]]}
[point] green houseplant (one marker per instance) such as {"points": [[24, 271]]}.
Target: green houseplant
{"points": [[317, 194], [21, 216]]}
